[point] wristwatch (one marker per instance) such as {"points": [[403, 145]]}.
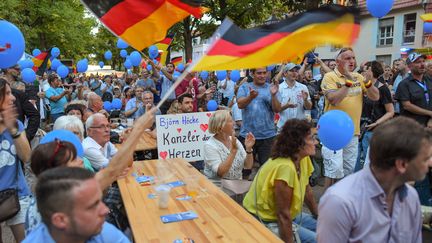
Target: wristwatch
{"points": [[249, 152], [15, 134]]}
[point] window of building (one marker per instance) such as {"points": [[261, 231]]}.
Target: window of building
{"points": [[385, 32], [386, 59], [409, 28]]}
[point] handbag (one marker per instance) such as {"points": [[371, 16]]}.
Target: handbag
{"points": [[9, 201]]}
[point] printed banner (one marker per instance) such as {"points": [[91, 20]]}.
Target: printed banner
{"points": [[182, 135]]}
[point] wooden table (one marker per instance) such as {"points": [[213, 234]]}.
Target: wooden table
{"points": [[147, 142], [220, 219]]}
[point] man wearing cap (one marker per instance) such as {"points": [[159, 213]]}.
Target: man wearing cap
{"points": [[293, 96], [414, 95], [343, 90], [24, 108]]}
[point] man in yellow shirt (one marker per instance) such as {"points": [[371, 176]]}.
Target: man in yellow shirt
{"points": [[344, 90]]}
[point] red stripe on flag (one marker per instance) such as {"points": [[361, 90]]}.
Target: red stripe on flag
{"points": [[227, 48], [166, 41], [128, 13], [197, 12]]}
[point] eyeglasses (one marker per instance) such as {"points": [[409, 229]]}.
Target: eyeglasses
{"points": [[102, 126], [59, 145]]}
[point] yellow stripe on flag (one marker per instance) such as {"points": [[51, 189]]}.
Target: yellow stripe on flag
{"points": [[145, 32], [426, 17], [337, 32]]}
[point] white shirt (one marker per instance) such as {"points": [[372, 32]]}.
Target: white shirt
{"points": [[215, 152], [294, 96], [236, 114], [229, 90], [98, 156]]}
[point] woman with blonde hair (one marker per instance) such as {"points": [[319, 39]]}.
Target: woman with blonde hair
{"points": [[224, 155]]}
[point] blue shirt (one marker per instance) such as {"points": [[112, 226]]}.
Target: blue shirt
{"points": [[131, 104], [56, 106], [166, 85], [9, 163], [94, 84], [109, 233], [146, 84], [258, 115]]}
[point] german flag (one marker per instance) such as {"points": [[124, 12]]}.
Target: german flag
{"points": [[177, 60], [235, 48], [42, 62], [164, 46], [143, 22], [426, 17]]}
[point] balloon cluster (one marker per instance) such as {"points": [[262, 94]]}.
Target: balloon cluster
{"points": [[116, 104]]}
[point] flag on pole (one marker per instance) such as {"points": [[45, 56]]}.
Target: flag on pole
{"points": [[164, 46], [42, 62], [177, 60], [142, 23], [288, 39]]}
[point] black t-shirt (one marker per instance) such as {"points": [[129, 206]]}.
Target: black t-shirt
{"points": [[415, 92], [374, 110]]}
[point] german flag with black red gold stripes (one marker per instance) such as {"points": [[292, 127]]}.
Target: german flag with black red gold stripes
{"points": [[163, 46], [177, 60], [142, 23], [235, 48]]}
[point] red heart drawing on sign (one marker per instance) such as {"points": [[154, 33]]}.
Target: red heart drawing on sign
{"points": [[209, 114], [204, 127], [179, 130], [163, 154]]}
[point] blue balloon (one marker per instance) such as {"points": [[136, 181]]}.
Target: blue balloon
{"points": [[149, 67], [36, 52], [116, 104], [212, 105], [127, 64], [135, 58], [82, 66], [101, 64], [153, 52], [28, 75], [379, 8], [176, 74], [427, 28], [62, 71], [108, 55], [107, 106], [55, 52], [204, 75], [85, 60], [123, 53], [66, 136], [335, 129], [270, 68], [55, 63], [180, 67], [121, 44], [221, 75], [12, 44], [26, 63], [235, 75]]}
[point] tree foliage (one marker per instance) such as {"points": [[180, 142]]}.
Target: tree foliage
{"points": [[49, 23]]}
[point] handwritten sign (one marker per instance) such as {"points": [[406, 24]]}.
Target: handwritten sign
{"points": [[182, 135]]}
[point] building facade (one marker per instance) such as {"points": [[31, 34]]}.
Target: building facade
{"points": [[390, 37]]}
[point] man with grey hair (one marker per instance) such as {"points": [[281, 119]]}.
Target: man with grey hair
{"points": [[94, 104], [97, 146]]}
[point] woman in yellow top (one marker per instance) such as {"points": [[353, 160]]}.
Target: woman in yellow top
{"points": [[281, 185]]}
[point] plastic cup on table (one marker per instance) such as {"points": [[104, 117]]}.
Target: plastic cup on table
{"points": [[163, 192], [130, 122], [192, 186]]}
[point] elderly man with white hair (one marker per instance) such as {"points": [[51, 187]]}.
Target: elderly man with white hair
{"points": [[97, 146]]}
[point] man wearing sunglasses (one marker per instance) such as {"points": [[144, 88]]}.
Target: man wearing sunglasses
{"points": [[259, 102]]}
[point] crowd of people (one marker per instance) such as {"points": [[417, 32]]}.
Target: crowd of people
{"points": [[264, 134]]}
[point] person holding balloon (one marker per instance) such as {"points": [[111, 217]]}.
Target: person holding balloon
{"points": [[226, 86], [343, 90], [57, 96]]}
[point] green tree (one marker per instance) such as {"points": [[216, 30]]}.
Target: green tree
{"points": [[48, 23]]}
